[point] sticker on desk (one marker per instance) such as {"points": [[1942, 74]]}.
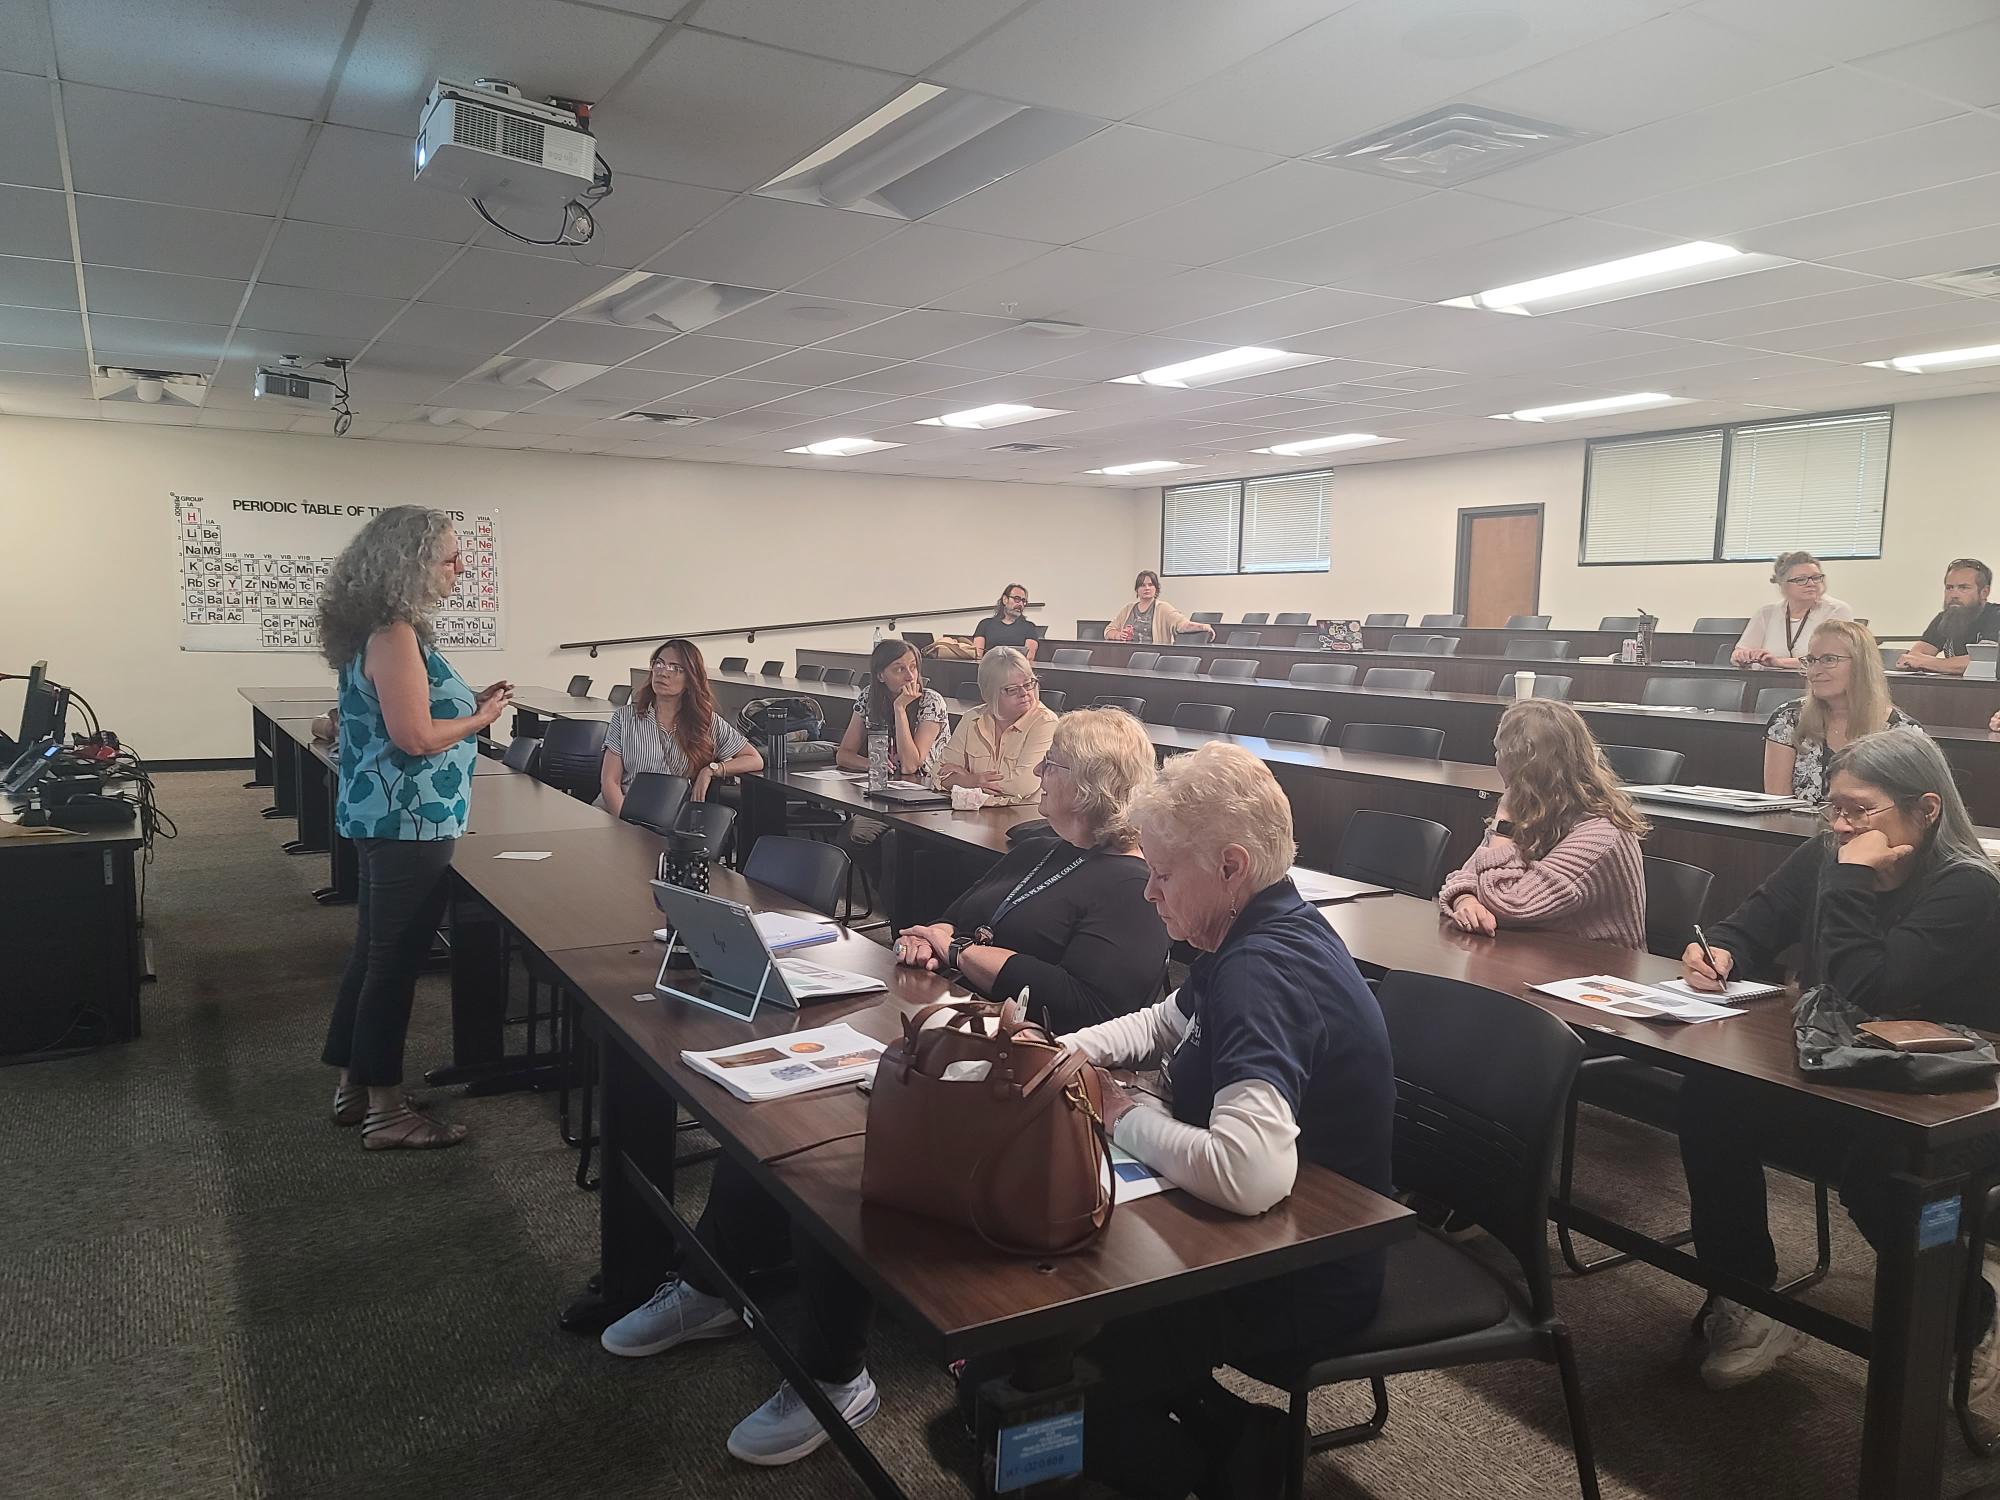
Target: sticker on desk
{"points": [[524, 854], [1937, 1224], [1038, 1451]]}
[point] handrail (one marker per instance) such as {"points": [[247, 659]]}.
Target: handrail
{"points": [[750, 633]]}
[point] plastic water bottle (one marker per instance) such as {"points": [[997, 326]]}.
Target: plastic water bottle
{"points": [[878, 759], [878, 635]]}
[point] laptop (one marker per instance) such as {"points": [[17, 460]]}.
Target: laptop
{"points": [[919, 638], [913, 797], [1985, 661], [732, 956]]}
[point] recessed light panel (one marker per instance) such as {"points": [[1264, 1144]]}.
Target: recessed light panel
{"points": [[1942, 359], [1148, 466], [1603, 406], [1217, 369], [984, 418], [1634, 275], [1307, 446], [843, 447]]}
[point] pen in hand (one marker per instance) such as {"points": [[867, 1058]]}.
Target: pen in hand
{"points": [[1708, 957]]}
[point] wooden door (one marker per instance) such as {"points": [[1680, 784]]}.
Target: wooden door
{"points": [[1499, 564]]}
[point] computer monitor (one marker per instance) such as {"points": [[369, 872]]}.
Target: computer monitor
{"points": [[43, 708]]}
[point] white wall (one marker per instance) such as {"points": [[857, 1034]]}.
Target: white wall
{"points": [[1395, 531], [593, 546]]}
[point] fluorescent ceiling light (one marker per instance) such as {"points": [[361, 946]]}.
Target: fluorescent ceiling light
{"points": [[1603, 406], [1150, 466], [1325, 444], [981, 418], [1942, 359], [674, 304], [1677, 265], [843, 447], [1214, 369]]}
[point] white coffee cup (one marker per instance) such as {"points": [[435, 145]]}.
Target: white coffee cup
{"points": [[1524, 686]]}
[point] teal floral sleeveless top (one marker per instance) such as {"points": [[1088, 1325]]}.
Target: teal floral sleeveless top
{"points": [[386, 794]]}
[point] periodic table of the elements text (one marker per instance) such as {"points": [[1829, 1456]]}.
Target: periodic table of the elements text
{"points": [[251, 572]]}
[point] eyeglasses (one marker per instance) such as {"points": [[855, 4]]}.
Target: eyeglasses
{"points": [[1807, 578], [1017, 598], [1809, 662], [1050, 763], [1021, 689], [670, 668], [1830, 812]]}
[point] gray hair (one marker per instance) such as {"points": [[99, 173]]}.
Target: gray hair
{"points": [[1906, 764], [996, 666], [1786, 561], [386, 574], [1218, 796]]}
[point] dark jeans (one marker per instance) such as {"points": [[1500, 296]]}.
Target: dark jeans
{"points": [[402, 896], [743, 1227]]}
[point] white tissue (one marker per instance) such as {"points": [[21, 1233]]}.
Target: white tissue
{"points": [[967, 1072], [967, 798]]}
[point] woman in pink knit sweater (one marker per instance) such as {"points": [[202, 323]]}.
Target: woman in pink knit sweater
{"points": [[1563, 853]]}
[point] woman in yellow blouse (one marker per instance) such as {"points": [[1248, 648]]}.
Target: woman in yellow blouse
{"points": [[997, 746]]}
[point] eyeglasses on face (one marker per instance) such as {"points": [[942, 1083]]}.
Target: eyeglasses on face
{"points": [[1831, 660], [1834, 812], [1021, 689], [1807, 578], [670, 668], [1017, 598], [1050, 763]]}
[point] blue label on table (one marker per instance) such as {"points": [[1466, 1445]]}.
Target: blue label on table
{"points": [[1038, 1451], [1937, 1224]]}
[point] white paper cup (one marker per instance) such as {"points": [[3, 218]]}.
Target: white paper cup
{"points": [[1524, 686]]}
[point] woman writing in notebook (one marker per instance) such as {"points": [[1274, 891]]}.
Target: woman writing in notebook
{"points": [[1563, 853], [1846, 697], [1897, 908]]}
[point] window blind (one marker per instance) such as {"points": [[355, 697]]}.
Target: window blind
{"points": [[1815, 483], [1285, 524], [1653, 499], [1198, 528]]}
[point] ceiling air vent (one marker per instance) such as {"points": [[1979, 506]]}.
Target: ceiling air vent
{"points": [[659, 418], [1451, 145], [1979, 281], [1025, 448]]}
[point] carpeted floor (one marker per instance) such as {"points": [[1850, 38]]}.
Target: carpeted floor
{"points": [[206, 1289]]}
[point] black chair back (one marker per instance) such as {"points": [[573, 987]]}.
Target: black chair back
{"points": [[1410, 644], [1441, 645], [1233, 666], [1206, 617], [968, 693], [771, 669], [1210, 716], [1676, 897], [1643, 765], [1546, 686], [572, 758], [1142, 661], [1395, 622], [1261, 617], [1245, 638], [1403, 853], [579, 686], [1178, 666], [1324, 673], [712, 821], [1771, 699], [1446, 622], [1306, 640], [1091, 630], [1398, 679], [1536, 650], [1721, 624], [1527, 622], [809, 671], [1419, 741], [1292, 617], [619, 695], [807, 870], [1070, 656], [1136, 707], [522, 752], [1308, 729], [1723, 693], [1053, 699], [1482, 1086], [840, 677], [655, 799], [1619, 623], [734, 664]]}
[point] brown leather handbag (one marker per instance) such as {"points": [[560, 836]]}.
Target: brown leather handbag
{"points": [[1019, 1157]]}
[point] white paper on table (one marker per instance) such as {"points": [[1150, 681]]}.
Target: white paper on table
{"points": [[1135, 1179], [829, 773], [1318, 887], [1736, 989], [524, 854], [1639, 1002], [1651, 708]]}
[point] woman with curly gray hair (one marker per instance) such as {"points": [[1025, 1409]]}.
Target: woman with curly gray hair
{"points": [[407, 723]]}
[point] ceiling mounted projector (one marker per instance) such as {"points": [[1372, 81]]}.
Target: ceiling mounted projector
{"points": [[488, 141]]}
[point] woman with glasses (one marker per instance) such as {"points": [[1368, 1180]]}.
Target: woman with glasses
{"points": [[997, 746], [1846, 697], [1897, 908], [1777, 634], [1009, 627], [671, 726]]}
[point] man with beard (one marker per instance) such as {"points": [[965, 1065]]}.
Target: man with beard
{"points": [[1965, 618]]}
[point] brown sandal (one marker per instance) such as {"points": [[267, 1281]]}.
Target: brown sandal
{"points": [[402, 1128]]}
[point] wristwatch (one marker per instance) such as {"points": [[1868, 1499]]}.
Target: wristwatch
{"points": [[958, 946]]}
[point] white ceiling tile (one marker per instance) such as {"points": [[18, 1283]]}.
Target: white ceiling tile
{"points": [[809, 367], [640, 219], [830, 401], [769, 242], [418, 432], [490, 439], [50, 406], [33, 223], [1040, 288], [912, 378], [1022, 348], [155, 294], [632, 388], [249, 421], [180, 346], [1381, 240], [1858, 301], [912, 335], [137, 146], [695, 354], [1753, 289], [1118, 174], [24, 46], [1273, 323], [1927, 257], [48, 328], [720, 397], [1963, 65], [1928, 327], [553, 49], [588, 343], [362, 179], [1378, 61], [1866, 226], [1178, 299], [1844, 28], [270, 55], [1117, 359], [150, 416], [796, 321], [30, 359], [37, 283], [328, 314], [267, 345], [1544, 250], [727, 114], [459, 328], [920, 262], [494, 281], [27, 132], [905, 37], [331, 259]]}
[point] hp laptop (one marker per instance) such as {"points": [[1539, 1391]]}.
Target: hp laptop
{"points": [[732, 956]]}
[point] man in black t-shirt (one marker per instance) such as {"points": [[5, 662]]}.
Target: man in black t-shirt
{"points": [[1967, 618], [1009, 627]]}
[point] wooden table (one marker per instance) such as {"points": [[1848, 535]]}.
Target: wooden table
{"points": [[533, 705]]}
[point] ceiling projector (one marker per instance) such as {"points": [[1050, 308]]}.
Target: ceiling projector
{"points": [[489, 141]]}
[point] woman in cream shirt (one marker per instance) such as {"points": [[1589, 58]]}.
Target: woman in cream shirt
{"points": [[997, 746], [1777, 634]]}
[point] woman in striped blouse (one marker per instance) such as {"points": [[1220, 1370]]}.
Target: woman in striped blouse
{"points": [[1563, 853]]}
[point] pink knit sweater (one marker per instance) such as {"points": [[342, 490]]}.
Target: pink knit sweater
{"points": [[1591, 885]]}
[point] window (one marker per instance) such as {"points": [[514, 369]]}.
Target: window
{"points": [[1732, 494], [1275, 525]]}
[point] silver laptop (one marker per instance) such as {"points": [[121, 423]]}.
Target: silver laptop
{"points": [[733, 957], [1985, 661]]}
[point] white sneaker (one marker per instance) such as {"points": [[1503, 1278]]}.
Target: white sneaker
{"points": [[1742, 1344], [783, 1430], [1986, 1355], [673, 1315]]}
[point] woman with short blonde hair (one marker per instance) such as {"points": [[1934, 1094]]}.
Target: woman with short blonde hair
{"points": [[997, 746], [1201, 804], [1846, 699]]}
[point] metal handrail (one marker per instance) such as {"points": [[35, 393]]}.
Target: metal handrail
{"points": [[750, 633]]}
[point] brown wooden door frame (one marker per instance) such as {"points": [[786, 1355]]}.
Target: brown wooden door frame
{"points": [[1466, 516]]}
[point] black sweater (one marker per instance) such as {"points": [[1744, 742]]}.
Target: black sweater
{"points": [[1924, 949], [1089, 948]]}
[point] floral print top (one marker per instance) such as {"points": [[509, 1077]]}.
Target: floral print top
{"points": [[387, 794]]}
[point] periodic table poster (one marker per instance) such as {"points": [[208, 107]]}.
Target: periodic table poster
{"points": [[251, 573]]}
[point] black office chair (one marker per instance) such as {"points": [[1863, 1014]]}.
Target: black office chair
{"points": [[968, 693], [1324, 673], [1391, 621], [1259, 618], [735, 664], [1206, 617], [806, 870], [771, 669], [1643, 765], [1245, 638], [619, 695], [1404, 853], [579, 686], [1308, 729], [1136, 707], [840, 677], [1398, 679], [1892, 656], [522, 752], [1536, 650], [1771, 699], [1177, 666], [1481, 1082], [1725, 654], [1676, 898], [1233, 666], [1441, 645], [1091, 630], [1213, 717], [1418, 741], [1721, 624], [655, 799], [1053, 699], [1723, 693], [1292, 617], [809, 671], [1546, 686], [1070, 656], [1410, 644], [1624, 624], [572, 758], [1528, 622], [1306, 640], [713, 822], [1447, 622], [1142, 661]]}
